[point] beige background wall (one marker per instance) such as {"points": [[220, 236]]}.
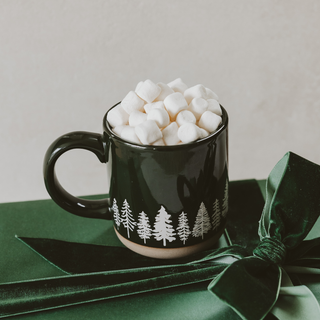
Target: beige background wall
{"points": [[64, 63]]}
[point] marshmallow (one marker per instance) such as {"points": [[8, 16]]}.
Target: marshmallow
{"points": [[174, 103], [211, 94], [118, 129], [214, 106], [117, 116], [138, 86], [157, 104], [197, 91], [159, 142], [165, 91], [198, 106], [148, 132], [144, 115], [203, 133], [170, 134], [132, 102], [178, 85], [185, 116], [128, 133], [137, 117], [148, 91], [160, 116], [188, 132], [209, 121]]}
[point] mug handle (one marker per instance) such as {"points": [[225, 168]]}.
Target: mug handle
{"points": [[76, 140]]}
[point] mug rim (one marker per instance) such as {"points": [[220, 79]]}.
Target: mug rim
{"points": [[107, 128]]}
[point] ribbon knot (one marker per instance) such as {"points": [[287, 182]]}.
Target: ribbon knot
{"points": [[271, 250]]}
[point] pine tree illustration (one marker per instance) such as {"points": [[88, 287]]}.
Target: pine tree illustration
{"points": [[127, 218], [225, 200], [116, 214], [216, 216], [202, 224], [144, 228], [183, 227], [163, 229]]}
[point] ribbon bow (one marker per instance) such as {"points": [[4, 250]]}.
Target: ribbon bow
{"points": [[249, 283], [292, 207]]}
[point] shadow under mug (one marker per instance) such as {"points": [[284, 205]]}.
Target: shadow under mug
{"points": [[165, 201]]}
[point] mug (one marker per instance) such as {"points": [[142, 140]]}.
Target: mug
{"points": [[165, 201]]}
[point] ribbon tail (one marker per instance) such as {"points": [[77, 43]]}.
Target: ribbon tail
{"points": [[249, 286], [51, 293], [78, 258], [306, 254], [296, 303]]}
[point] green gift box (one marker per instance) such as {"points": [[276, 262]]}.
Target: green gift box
{"points": [[74, 260]]}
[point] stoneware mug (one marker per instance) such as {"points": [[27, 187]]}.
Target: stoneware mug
{"points": [[165, 201]]}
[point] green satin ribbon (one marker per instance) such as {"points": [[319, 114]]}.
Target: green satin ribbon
{"points": [[252, 284], [292, 207]]}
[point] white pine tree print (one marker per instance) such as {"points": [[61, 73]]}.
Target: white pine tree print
{"points": [[202, 224], [225, 201], [216, 216], [163, 229], [127, 218], [183, 227], [116, 214], [144, 228]]}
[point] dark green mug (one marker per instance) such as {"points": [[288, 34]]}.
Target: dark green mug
{"points": [[165, 201]]}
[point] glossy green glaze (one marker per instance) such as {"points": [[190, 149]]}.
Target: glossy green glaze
{"points": [[160, 196], [74, 140]]}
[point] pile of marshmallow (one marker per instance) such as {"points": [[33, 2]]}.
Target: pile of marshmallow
{"points": [[166, 114]]}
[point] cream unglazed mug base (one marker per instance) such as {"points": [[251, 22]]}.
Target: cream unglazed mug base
{"points": [[170, 253]]}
